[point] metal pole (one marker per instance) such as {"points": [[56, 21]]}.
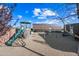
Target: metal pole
{"points": [[78, 18]]}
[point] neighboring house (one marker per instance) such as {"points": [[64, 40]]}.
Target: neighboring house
{"points": [[46, 27], [73, 29]]}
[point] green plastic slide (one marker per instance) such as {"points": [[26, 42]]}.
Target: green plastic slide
{"points": [[14, 37]]}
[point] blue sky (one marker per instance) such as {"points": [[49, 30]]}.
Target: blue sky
{"points": [[46, 13]]}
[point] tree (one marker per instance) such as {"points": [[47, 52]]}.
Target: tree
{"points": [[5, 16], [68, 10]]}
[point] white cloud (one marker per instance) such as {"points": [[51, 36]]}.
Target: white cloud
{"points": [[72, 13], [19, 16], [36, 11], [55, 21], [73, 18], [67, 22], [43, 13], [42, 17], [52, 21], [40, 22], [48, 12]]}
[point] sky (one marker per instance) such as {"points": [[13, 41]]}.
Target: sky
{"points": [[45, 13]]}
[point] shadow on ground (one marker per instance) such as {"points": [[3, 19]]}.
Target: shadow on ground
{"points": [[57, 41], [34, 51]]}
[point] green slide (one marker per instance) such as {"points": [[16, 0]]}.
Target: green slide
{"points": [[14, 37]]}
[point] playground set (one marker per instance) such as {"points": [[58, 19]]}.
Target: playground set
{"points": [[8, 34]]}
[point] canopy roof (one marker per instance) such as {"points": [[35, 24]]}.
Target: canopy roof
{"points": [[23, 22]]}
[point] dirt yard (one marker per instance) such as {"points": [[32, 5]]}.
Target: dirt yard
{"points": [[38, 44]]}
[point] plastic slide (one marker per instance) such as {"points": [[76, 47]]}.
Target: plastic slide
{"points": [[14, 37]]}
